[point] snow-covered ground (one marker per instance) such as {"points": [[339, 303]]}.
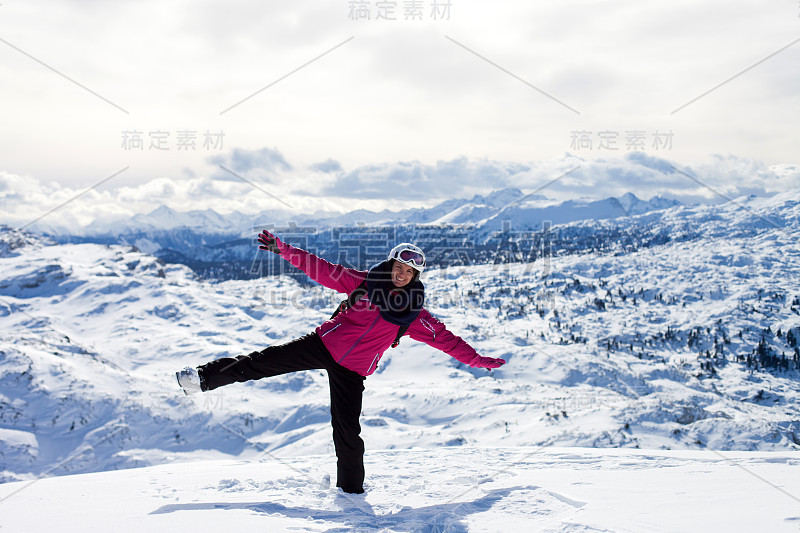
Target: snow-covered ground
{"points": [[441, 489], [646, 349]]}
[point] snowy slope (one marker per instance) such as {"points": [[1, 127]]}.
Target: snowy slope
{"points": [[530, 215], [443, 489], [603, 351]]}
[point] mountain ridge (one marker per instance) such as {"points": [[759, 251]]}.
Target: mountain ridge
{"points": [[477, 210]]}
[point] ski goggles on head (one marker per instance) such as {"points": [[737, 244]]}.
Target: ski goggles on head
{"points": [[410, 256]]}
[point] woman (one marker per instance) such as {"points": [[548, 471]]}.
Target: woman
{"points": [[385, 303]]}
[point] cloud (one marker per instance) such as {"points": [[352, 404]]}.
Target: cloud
{"points": [[649, 161], [716, 180], [412, 180], [331, 165], [398, 185], [565, 178], [260, 163]]}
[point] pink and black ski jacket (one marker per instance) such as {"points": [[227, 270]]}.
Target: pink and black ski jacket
{"points": [[358, 336]]}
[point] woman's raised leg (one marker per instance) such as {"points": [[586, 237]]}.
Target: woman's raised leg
{"points": [[304, 353]]}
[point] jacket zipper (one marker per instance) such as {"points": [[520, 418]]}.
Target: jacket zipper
{"points": [[333, 328], [425, 323], [374, 362], [359, 339]]}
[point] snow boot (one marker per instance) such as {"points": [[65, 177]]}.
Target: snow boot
{"points": [[189, 380]]}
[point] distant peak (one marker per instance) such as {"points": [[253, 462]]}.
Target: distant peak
{"points": [[163, 210], [503, 196]]}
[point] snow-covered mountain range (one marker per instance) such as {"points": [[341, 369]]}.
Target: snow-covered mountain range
{"points": [[524, 212], [453, 232], [688, 344]]}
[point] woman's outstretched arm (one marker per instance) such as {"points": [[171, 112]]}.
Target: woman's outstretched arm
{"points": [[426, 328], [336, 277]]}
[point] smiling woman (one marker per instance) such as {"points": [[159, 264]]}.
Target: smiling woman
{"points": [[402, 274], [383, 304]]}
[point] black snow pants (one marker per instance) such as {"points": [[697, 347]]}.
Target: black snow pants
{"points": [[307, 353]]}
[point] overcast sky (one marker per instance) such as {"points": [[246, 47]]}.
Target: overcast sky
{"points": [[315, 104]]}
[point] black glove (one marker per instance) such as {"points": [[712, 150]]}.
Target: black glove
{"points": [[269, 242]]}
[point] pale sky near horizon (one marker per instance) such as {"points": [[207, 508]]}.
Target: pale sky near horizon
{"points": [[345, 104]]}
